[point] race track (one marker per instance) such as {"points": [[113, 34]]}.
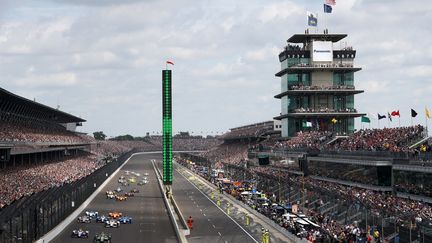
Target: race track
{"points": [[210, 223], [151, 222]]}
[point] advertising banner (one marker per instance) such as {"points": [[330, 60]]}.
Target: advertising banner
{"points": [[322, 51]]}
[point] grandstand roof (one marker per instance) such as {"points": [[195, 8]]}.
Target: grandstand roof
{"points": [[56, 115], [265, 123], [301, 38]]}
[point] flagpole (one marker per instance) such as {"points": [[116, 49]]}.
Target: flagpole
{"points": [[379, 127], [399, 120]]}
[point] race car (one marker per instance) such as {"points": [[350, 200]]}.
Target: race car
{"points": [[125, 220], [110, 194], [112, 223], [132, 180], [134, 190], [84, 219], [101, 219], [92, 214], [115, 215], [79, 233], [118, 189], [121, 198], [129, 194], [102, 238], [143, 182], [146, 174]]}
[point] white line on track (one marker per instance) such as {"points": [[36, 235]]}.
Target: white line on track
{"points": [[219, 233], [221, 210]]}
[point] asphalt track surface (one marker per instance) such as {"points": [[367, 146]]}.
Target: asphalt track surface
{"points": [[210, 223], [150, 220]]}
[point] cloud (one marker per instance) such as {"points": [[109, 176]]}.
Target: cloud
{"points": [[280, 10], [105, 57], [47, 80]]}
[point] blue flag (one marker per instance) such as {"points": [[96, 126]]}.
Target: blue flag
{"points": [[327, 8], [381, 116], [312, 19]]}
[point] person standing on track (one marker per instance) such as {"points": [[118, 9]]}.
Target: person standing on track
{"points": [[190, 222]]}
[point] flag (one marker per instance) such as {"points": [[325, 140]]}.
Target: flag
{"points": [[327, 8], [365, 119], [334, 120], [413, 113], [307, 124], [330, 2], [169, 62], [427, 113], [389, 116], [395, 113], [312, 19], [381, 117]]}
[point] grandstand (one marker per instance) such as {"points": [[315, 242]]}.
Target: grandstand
{"points": [[254, 131], [317, 85], [31, 132]]}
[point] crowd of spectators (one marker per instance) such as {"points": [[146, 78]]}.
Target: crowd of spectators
{"points": [[247, 132], [387, 139], [314, 87], [27, 132], [232, 153], [21, 181], [382, 202], [311, 139], [321, 110]]}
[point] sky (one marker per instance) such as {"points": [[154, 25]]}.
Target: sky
{"points": [[102, 59]]}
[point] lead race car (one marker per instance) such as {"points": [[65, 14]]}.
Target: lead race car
{"points": [[80, 233]]}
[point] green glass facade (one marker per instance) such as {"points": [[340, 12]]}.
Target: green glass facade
{"points": [[316, 91]]}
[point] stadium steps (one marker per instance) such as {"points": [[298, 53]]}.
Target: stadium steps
{"points": [[392, 236], [295, 197], [419, 142], [335, 139], [329, 209], [341, 216], [324, 206], [356, 217]]}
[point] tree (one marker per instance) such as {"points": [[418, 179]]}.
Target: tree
{"points": [[99, 135]]}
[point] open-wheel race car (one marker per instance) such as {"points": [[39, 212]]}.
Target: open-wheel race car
{"points": [[115, 215], [134, 190], [92, 214], [125, 220], [84, 219], [112, 223], [121, 198], [101, 219], [102, 238], [80, 233]]}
